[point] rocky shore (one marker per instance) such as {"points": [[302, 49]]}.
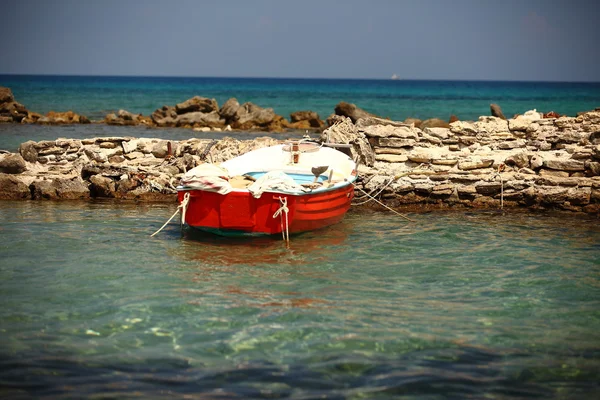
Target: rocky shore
{"points": [[528, 161], [533, 160], [199, 113]]}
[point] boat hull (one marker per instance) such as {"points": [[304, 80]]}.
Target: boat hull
{"points": [[238, 213]]}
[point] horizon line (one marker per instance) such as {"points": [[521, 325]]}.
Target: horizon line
{"points": [[299, 78]]}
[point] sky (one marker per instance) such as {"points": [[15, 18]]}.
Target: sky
{"points": [[531, 40]]}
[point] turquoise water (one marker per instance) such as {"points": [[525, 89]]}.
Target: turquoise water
{"points": [[396, 99], [457, 305]]}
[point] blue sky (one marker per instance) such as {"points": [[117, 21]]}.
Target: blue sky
{"points": [[418, 39]]}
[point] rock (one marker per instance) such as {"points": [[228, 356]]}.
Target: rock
{"points": [[28, 151], [351, 111], [251, 116], [164, 116], [536, 162], [564, 164], [6, 95], [344, 131], [312, 117], [420, 156], [198, 118], [593, 168], [101, 186], [415, 121], [229, 109], [396, 142], [12, 188], [161, 149], [440, 133], [520, 160], [496, 111], [60, 189], [197, 104], [389, 131], [59, 118], [391, 158], [552, 114], [475, 164], [492, 126], [96, 155], [12, 164], [453, 118], [434, 123]]}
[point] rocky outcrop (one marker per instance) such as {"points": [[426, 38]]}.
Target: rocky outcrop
{"points": [[199, 112], [496, 111], [525, 161], [306, 120], [124, 117], [10, 110], [12, 164], [110, 167], [351, 111]]}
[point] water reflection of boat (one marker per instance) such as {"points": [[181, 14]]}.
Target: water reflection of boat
{"points": [[221, 251]]}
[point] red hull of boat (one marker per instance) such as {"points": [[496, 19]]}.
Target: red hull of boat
{"points": [[241, 213]]}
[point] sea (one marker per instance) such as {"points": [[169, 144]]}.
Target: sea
{"points": [[455, 304]]}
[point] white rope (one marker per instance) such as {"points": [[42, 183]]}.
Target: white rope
{"points": [[182, 207], [283, 209], [380, 203], [376, 194], [500, 169]]}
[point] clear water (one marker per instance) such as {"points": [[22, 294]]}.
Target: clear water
{"points": [[397, 99], [457, 305]]}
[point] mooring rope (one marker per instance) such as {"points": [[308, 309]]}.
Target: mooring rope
{"points": [[182, 207], [381, 204], [283, 209]]}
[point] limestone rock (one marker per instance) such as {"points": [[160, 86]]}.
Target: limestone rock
{"points": [[12, 164], [434, 123], [391, 158], [351, 111], [199, 118], [251, 116], [59, 189], [388, 131], [13, 188], [564, 164], [496, 111], [311, 117], [102, 186], [165, 116], [344, 131], [229, 109], [520, 160], [197, 104], [6, 95], [475, 164], [28, 151]]}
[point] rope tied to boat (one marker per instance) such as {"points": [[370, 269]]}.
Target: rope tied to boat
{"points": [[283, 209], [182, 207], [501, 168]]}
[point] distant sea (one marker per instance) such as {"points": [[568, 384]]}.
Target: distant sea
{"points": [[95, 96]]}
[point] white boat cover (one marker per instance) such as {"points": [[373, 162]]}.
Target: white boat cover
{"points": [[275, 180], [207, 177]]}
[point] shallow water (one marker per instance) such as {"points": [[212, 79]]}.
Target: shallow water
{"points": [[456, 305]]}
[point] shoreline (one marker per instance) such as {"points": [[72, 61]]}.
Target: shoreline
{"points": [[529, 162]]}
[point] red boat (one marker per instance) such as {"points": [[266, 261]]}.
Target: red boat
{"points": [[283, 189]]}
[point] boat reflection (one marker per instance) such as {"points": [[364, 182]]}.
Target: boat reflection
{"points": [[267, 250]]}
